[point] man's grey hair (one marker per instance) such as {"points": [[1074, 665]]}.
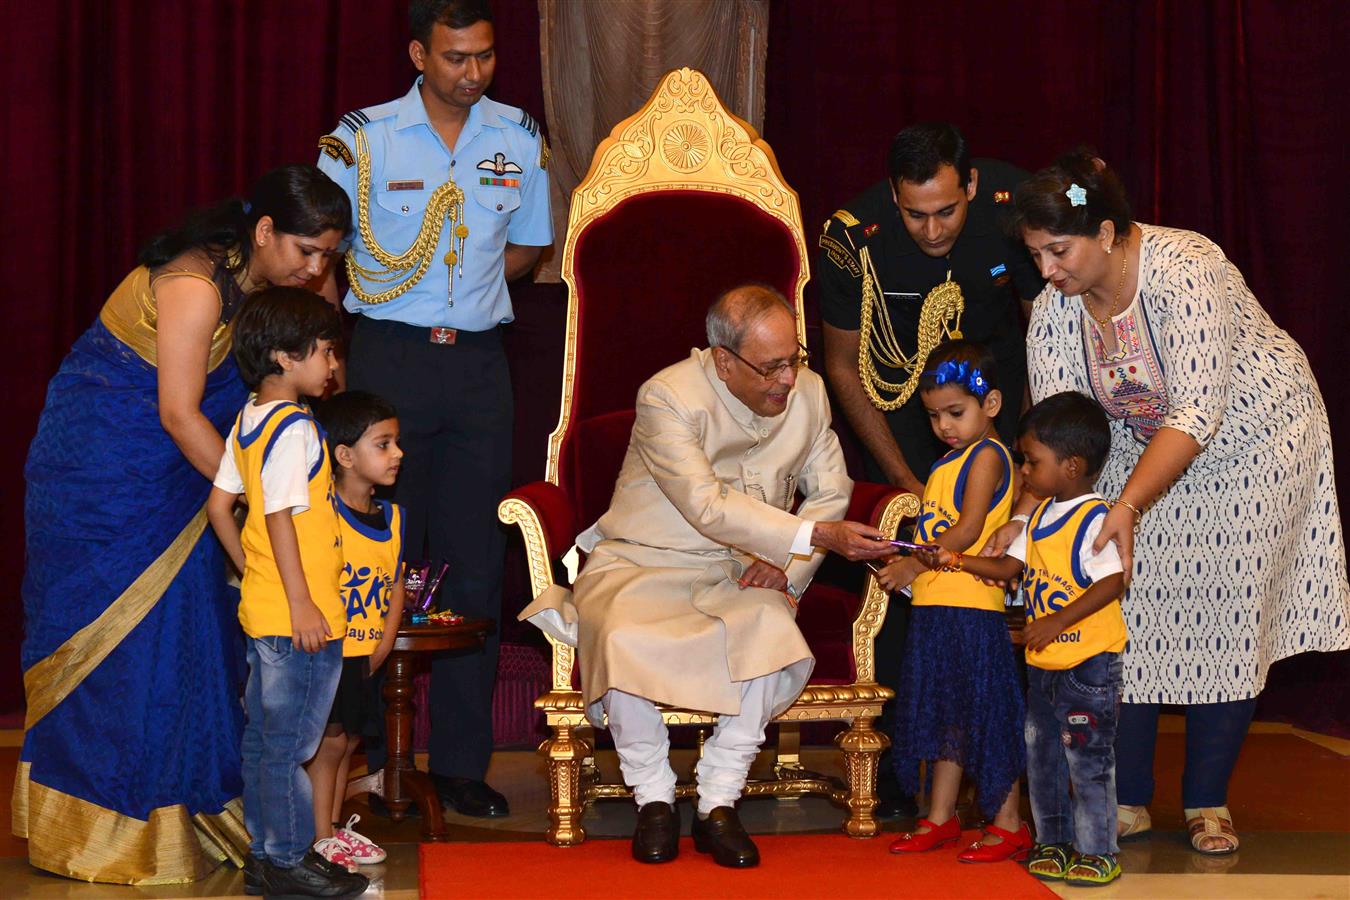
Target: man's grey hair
{"points": [[734, 313]]}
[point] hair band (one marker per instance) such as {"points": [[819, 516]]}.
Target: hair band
{"points": [[963, 374]]}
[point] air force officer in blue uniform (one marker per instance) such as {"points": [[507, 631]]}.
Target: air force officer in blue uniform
{"points": [[451, 193]]}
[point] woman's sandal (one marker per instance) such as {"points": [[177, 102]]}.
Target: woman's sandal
{"points": [[1132, 822], [1209, 822], [1093, 871], [1053, 860]]}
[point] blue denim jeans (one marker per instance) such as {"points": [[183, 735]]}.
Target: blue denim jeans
{"points": [[1071, 734], [286, 705]]}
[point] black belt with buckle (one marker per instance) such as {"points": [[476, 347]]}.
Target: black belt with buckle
{"points": [[444, 337]]}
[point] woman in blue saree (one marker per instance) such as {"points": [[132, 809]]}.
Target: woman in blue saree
{"points": [[130, 764]]}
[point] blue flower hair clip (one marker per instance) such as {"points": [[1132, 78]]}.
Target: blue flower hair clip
{"points": [[963, 374], [248, 207], [1077, 196]]}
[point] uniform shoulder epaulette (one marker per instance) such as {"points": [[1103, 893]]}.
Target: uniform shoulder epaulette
{"points": [[528, 123], [353, 121], [848, 218], [835, 251]]}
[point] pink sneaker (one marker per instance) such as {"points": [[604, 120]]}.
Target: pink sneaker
{"points": [[365, 851], [336, 851]]}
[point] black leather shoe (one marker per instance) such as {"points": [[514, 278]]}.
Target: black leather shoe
{"points": [[657, 836], [253, 875], [470, 797], [721, 835], [313, 877], [892, 802]]}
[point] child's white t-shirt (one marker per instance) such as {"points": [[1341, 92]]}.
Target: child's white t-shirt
{"points": [[1096, 565], [285, 473]]}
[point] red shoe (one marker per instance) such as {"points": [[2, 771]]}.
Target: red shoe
{"points": [[947, 833], [1016, 845]]}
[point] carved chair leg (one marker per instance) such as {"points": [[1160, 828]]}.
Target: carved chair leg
{"points": [[862, 745], [565, 752]]}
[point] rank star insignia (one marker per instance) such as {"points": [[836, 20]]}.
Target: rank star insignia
{"points": [[871, 230], [1002, 196], [499, 165]]}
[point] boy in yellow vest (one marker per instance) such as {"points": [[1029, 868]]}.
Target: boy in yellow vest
{"points": [[290, 553], [1074, 637], [362, 434]]}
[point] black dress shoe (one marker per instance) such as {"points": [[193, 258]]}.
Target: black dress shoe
{"points": [[470, 797], [657, 836], [721, 835], [253, 875], [313, 877]]}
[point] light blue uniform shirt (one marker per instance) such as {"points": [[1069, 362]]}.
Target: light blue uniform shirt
{"points": [[498, 143]]}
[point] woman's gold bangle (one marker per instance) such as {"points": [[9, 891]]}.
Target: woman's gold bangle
{"points": [[1138, 514]]}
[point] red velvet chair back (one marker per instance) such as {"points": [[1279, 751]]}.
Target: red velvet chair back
{"points": [[682, 202]]}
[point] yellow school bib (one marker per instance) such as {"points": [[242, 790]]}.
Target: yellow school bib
{"points": [[1053, 579], [941, 509], [263, 609], [372, 563]]}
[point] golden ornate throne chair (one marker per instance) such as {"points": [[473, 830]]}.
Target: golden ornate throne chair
{"points": [[682, 201]]}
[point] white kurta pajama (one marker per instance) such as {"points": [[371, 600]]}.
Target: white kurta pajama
{"points": [[705, 487]]}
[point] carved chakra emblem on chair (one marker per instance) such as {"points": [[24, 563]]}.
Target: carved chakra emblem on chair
{"points": [[685, 146]]}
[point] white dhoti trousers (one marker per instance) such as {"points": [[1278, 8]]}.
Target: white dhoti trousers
{"points": [[643, 744]]}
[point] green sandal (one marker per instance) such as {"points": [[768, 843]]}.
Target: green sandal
{"points": [[1093, 870], [1055, 855]]}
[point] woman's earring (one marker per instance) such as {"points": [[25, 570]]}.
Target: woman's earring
{"points": [[1108, 249]]}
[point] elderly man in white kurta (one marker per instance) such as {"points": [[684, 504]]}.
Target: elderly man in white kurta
{"points": [[688, 596]]}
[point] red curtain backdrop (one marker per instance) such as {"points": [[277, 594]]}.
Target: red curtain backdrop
{"points": [[1223, 116]]}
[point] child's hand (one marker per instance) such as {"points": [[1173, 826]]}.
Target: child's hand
{"points": [[898, 573], [309, 629], [1041, 633], [379, 656], [935, 557]]}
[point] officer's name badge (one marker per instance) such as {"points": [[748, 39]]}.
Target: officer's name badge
{"points": [[412, 184], [500, 182], [1002, 196]]}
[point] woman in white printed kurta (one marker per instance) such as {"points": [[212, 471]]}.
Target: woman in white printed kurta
{"points": [[1239, 561]]}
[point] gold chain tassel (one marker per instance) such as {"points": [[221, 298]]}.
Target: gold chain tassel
{"points": [[446, 204], [877, 344]]}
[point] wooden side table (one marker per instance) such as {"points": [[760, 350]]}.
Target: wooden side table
{"points": [[400, 783]]}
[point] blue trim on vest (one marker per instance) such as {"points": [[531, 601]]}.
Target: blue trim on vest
{"points": [[960, 492], [1078, 574], [944, 459], [323, 451], [1038, 533], [298, 416], [361, 528], [247, 439]]}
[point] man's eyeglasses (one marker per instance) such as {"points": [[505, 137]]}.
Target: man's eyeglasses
{"points": [[773, 373]]}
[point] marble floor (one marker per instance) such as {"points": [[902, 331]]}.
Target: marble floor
{"points": [[1291, 797]]}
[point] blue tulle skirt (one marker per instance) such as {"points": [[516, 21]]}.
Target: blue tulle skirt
{"points": [[960, 700]]}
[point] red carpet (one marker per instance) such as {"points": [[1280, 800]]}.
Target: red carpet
{"points": [[797, 866]]}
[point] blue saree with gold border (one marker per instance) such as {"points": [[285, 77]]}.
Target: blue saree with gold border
{"points": [[130, 770]]}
